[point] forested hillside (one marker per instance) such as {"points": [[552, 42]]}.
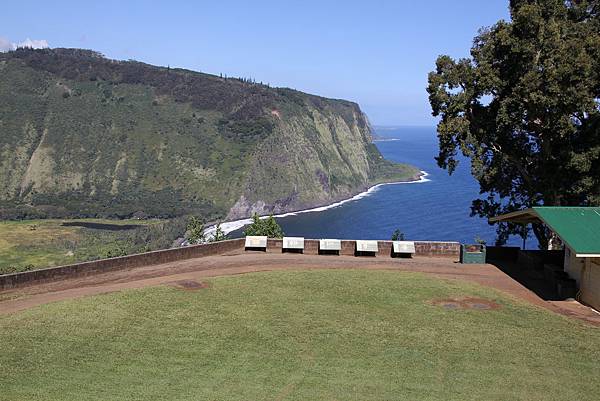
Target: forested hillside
{"points": [[85, 136]]}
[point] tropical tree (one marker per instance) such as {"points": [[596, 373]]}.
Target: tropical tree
{"points": [[268, 227], [525, 109], [195, 230], [219, 234]]}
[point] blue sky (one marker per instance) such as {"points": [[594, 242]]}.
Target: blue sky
{"points": [[377, 53]]}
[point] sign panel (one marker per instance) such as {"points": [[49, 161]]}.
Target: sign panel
{"points": [[256, 241], [404, 247], [293, 242], [330, 245], [366, 246]]}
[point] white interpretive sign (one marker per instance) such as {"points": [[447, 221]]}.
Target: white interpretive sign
{"points": [[256, 241], [293, 242], [404, 247], [330, 245], [366, 246]]}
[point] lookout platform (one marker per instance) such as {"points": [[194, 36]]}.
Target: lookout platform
{"points": [[235, 262]]}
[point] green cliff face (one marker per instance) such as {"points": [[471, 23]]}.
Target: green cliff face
{"points": [[81, 135]]}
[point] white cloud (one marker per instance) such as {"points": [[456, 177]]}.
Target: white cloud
{"points": [[7, 45], [34, 44]]}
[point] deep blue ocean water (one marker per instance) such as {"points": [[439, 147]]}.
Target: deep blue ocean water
{"points": [[435, 210]]}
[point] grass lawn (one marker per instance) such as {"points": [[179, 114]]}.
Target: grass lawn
{"points": [[32, 244], [297, 335]]}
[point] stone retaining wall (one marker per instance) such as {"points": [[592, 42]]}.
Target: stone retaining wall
{"points": [[124, 262], [436, 248], [311, 247], [422, 248]]}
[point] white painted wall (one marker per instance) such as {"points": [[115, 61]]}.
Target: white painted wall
{"points": [[573, 265], [590, 283]]}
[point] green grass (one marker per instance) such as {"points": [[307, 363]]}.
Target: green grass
{"points": [[297, 335], [33, 244]]}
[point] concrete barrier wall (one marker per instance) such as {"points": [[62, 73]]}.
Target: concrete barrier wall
{"points": [[124, 262], [311, 247], [434, 248], [422, 248]]}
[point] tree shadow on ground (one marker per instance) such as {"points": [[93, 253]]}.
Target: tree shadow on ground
{"points": [[531, 278]]}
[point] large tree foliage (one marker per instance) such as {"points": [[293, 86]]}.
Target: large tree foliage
{"points": [[525, 109]]}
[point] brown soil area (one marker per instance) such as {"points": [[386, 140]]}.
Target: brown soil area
{"points": [[212, 266], [189, 285], [466, 303]]}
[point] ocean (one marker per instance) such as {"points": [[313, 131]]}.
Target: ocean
{"points": [[436, 209]]}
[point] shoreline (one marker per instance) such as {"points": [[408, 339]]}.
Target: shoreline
{"points": [[230, 226]]}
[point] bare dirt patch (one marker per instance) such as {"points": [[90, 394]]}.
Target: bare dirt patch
{"points": [[189, 285], [465, 303]]}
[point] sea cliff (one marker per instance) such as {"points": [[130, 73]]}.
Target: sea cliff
{"points": [[85, 136]]}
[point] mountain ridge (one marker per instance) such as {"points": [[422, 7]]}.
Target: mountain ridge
{"points": [[86, 136]]}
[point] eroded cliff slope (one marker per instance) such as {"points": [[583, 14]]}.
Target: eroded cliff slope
{"points": [[82, 135]]}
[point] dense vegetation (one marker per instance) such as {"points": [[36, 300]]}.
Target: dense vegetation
{"points": [[525, 108], [297, 335], [85, 136]]}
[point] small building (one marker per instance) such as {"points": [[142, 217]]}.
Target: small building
{"points": [[579, 230]]}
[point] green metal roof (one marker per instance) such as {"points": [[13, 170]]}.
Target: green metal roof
{"points": [[578, 227]]}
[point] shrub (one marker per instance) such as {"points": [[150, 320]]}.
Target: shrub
{"points": [[219, 234], [195, 230], [268, 227], [397, 236], [479, 240], [16, 269]]}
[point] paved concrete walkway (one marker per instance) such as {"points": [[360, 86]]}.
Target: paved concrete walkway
{"points": [[196, 269]]}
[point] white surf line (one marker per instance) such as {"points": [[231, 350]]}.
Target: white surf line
{"points": [[230, 226]]}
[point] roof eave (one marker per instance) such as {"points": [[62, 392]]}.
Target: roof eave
{"points": [[519, 216]]}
